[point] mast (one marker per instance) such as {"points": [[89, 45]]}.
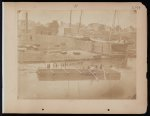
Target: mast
{"points": [[26, 20], [119, 26], [70, 17], [80, 20], [113, 25], [26, 25]]}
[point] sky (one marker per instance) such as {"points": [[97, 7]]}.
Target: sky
{"points": [[126, 17]]}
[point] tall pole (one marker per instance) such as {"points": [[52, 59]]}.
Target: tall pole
{"points": [[70, 17], [114, 20], [113, 25], [119, 31], [26, 20], [80, 20]]}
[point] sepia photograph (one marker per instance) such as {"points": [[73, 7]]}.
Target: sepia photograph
{"points": [[86, 56], [76, 54]]}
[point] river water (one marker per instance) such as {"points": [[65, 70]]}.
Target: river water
{"points": [[31, 88]]}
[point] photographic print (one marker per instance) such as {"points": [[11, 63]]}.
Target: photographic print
{"points": [[84, 57], [77, 54]]}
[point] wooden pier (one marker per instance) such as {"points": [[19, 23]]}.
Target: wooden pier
{"points": [[77, 74]]}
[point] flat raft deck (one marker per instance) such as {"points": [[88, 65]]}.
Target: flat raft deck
{"points": [[77, 74]]}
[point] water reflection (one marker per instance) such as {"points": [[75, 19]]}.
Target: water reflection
{"points": [[31, 88]]}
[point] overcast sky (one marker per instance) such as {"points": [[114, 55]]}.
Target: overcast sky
{"points": [[126, 18]]}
